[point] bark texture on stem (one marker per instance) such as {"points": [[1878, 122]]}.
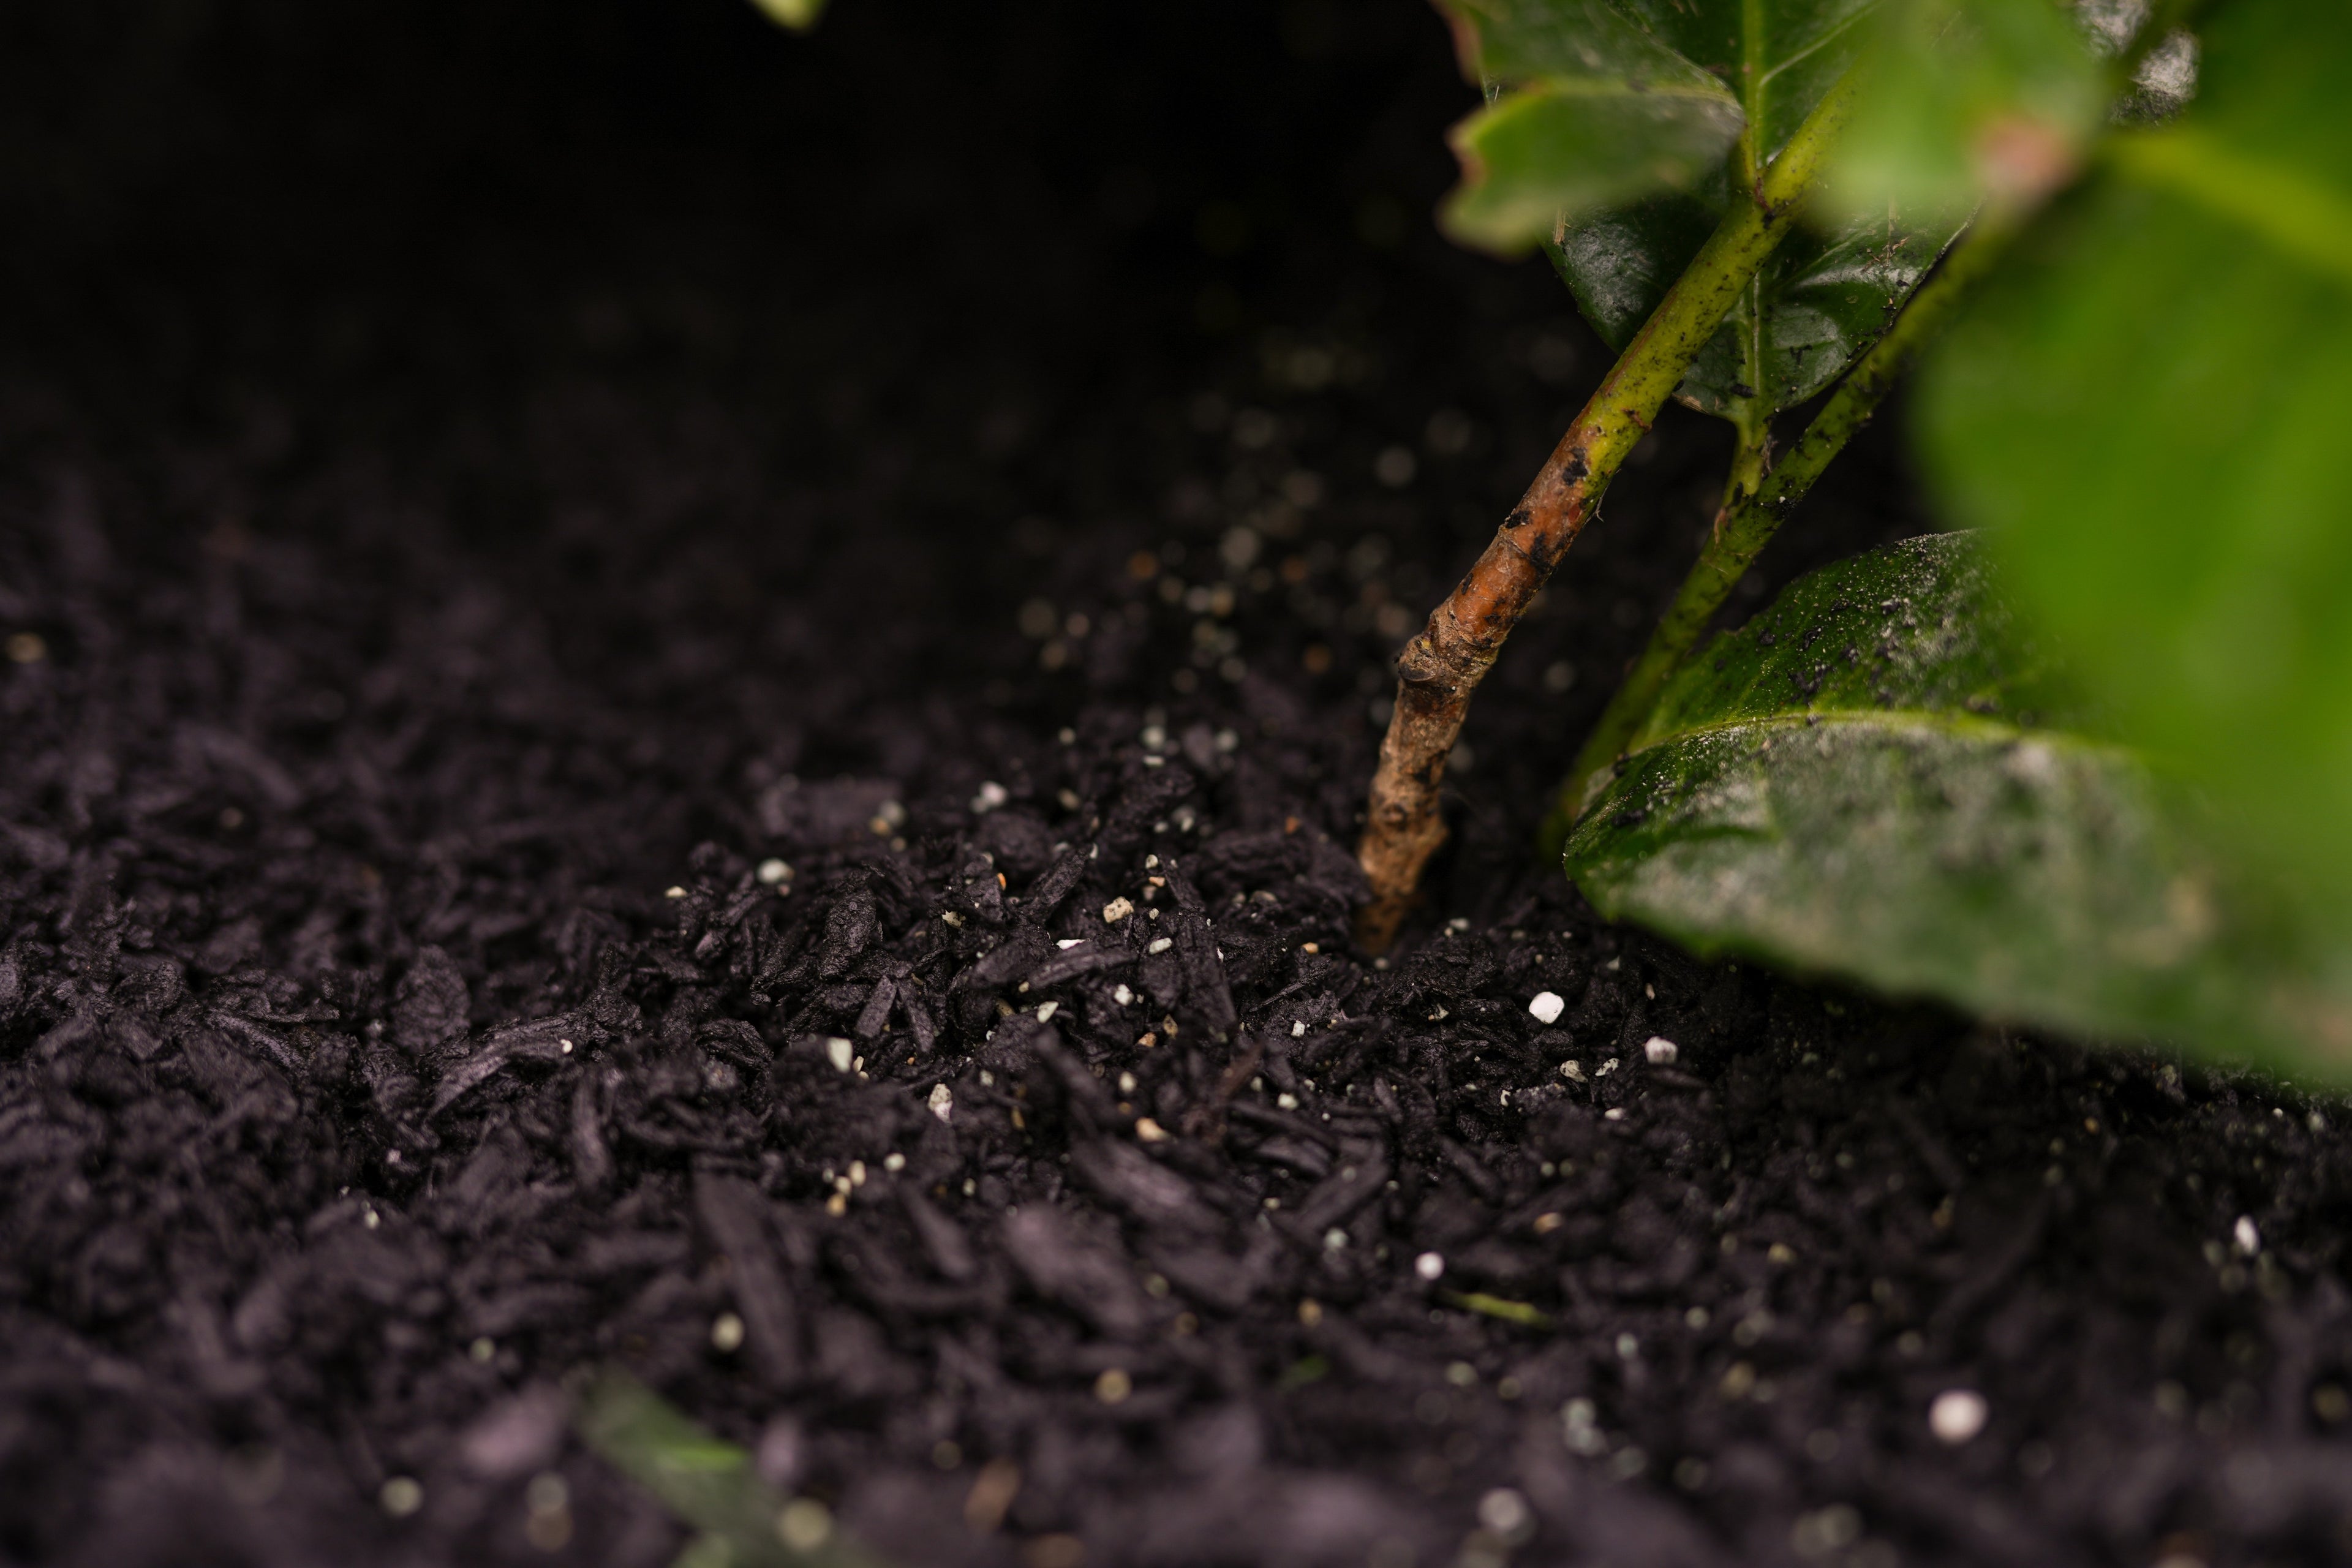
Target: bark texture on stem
{"points": [[1444, 663], [1750, 519]]}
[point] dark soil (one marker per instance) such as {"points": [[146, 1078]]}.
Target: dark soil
{"points": [[479, 481]]}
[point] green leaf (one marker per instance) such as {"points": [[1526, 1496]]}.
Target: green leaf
{"points": [[1593, 104], [2148, 416], [710, 1484], [1879, 777], [1967, 100], [1549, 149], [1816, 306]]}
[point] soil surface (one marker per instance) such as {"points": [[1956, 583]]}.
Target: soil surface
{"points": [[683, 698]]}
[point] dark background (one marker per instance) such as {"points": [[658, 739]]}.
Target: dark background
{"points": [[887, 291]]}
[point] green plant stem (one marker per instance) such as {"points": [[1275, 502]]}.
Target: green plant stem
{"points": [[1753, 512], [1744, 526], [1444, 663]]}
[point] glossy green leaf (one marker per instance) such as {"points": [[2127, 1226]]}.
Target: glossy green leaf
{"points": [[1967, 100], [708, 1483], [2149, 418], [1878, 777], [1816, 306]]}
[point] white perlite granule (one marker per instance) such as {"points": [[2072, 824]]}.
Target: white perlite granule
{"points": [[1957, 1415]]}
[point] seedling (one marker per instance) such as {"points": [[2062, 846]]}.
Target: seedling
{"points": [[2086, 768], [739, 1520]]}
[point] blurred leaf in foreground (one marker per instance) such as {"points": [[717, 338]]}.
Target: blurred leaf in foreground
{"points": [[1968, 102], [1876, 778], [2149, 414], [710, 1484]]}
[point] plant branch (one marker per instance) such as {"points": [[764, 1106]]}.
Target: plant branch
{"points": [[1444, 663], [1750, 519]]}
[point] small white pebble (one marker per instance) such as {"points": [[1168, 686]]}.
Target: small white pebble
{"points": [[1429, 1265], [1160, 945], [1127, 1083], [1612, 1114], [1286, 1101], [1298, 1029], [893, 1162], [1117, 910], [1573, 1070], [804, 1525], [671, 893], [1334, 1239], [2249, 1239], [837, 1051], [1151, 1132], [992, 796], [951, 918], [942, 1101], [857, 1172], [1122, 996], [401, 1496], [727, 1333], [1068, 943], [372, 1219], [1045, 1011], [565, 1046], [773, 872], [1659, 1050], [1503, 1512], [1957, 1415], [1547, 1007]]}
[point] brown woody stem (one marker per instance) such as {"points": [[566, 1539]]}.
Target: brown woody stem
{"points": [[1444, 663]]}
